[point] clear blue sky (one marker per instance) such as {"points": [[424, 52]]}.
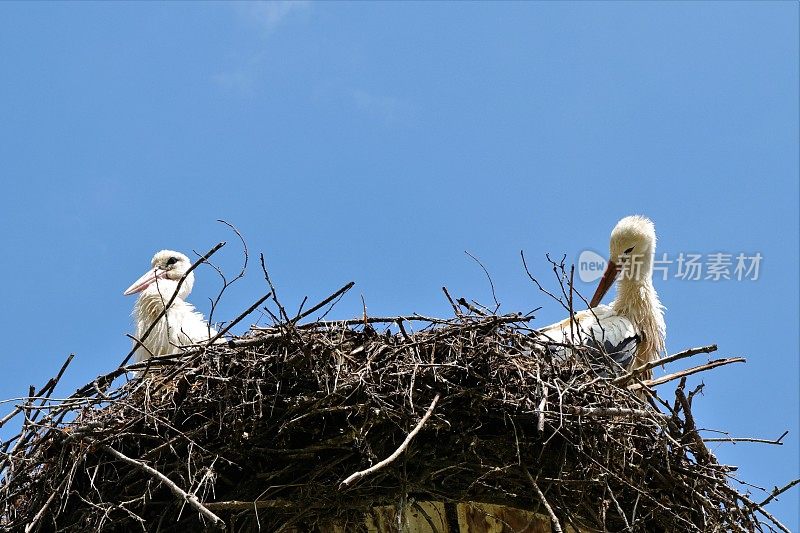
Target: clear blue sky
{"points": [[376, 142]]}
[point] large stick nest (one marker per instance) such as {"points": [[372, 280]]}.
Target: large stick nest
{"points": [[281, 417]]}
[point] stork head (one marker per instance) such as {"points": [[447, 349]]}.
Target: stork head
{"points": [[632, 237], [633, 243], [168, 268]]}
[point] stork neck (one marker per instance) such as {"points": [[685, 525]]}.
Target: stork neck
{"points": [[637, 299], [635, 296], [635, 291]]}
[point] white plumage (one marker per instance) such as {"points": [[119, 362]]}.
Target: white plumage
{"points": [[631, 330], [182, 324]]}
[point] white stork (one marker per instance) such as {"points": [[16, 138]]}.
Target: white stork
{"points": [[181, 324], [631, 330]]}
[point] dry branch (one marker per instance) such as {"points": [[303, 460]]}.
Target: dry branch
{"points": [[553, 518], [354, 477], [191, 499], [663, 361], [688, 372], [778, 491]]}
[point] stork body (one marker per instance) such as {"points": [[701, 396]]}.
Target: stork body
{"points": [[631, 330], [181, 324]]}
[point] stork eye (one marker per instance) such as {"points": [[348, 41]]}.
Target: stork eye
{"points": [[629, 250], [171, 261]]}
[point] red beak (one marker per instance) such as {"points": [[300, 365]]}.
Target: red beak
{"points": [[612, 269]]}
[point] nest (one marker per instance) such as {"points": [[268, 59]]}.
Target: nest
{"points": [[314, 427]]}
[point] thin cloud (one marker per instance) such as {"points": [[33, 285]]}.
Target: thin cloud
{"points": [[266, 17], [270, 14], [240, 80], [389, 109]]}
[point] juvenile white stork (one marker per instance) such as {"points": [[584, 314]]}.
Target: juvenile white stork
{"points": [[631, 330], [181, 324]]}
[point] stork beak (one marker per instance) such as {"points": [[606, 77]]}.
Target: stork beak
{"points": [[612, 269], [145, 281]]}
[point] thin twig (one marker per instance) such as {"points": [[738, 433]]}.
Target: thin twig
{"points": [[267, 277], [778, 491], [700, 450], [664, 360], [325, 302], [238, 319], [353, 478], [778, 441], [225, 282], [44, 392], [463, 302], [491, 283], [30, 526], [688, 372], [456, 310], [616, 411], [191, 499], [553, 518]]}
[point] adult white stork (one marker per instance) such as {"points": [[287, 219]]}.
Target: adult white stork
{"points": [[631, 330], [181, 324]]}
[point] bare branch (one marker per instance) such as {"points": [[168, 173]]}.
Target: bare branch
{"points": [[338, 294], [663, 361], [353, 478], [491, 283], [553, 518], [778, 491], [778, 441], [191, 499], [683, 373]]}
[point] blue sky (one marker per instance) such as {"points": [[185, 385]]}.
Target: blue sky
{"points": [[376, 142]]}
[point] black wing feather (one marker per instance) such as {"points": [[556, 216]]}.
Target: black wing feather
{"points": [[623, 354]]}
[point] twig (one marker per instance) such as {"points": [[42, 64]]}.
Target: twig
{"points": [[225, 282], [30, 526], [539, 285], [690, 428], [452, 303], [778, 441], [393, 319], [491, 284], [664, 360], [617, 411], [353, 478], [44, 392], [759, 508], [191, 499], [238, 319], [553, 518], [244, 248], [326, 301], [236, 505], [540, 410], [778, 491], [687, 372], [403, 331], [463, 302], [272, 289]]}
